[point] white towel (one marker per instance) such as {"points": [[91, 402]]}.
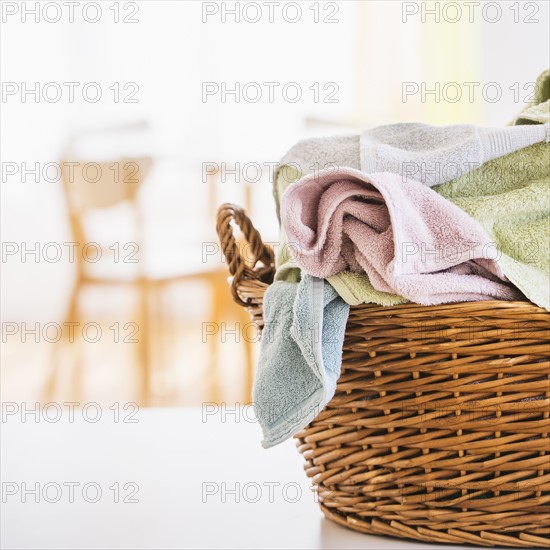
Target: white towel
{"points": [[436, 154]]}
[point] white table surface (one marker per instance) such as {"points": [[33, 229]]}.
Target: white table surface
{"points": [[175, 457]]}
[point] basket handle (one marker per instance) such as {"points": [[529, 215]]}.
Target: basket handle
{"points": [[243, 268]]}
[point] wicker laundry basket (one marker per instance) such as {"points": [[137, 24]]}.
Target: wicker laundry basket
{"points": [[439, 428]]}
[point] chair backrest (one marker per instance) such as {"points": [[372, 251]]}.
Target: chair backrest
{"points": [[92, 185]]}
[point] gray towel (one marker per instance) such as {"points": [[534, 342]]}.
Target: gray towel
{"points": [[315, 154], [436, 154], [300, 356], [429, 151]]}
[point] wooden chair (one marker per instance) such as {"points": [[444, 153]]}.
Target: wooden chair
{"points": [[110, 184]]}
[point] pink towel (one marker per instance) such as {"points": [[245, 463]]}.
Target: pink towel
{"points": [[407, 238]]}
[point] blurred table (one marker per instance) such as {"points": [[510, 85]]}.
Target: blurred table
{"points": [[117, 477]]}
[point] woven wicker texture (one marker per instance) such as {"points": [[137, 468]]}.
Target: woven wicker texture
{"points": [[439, 428]]}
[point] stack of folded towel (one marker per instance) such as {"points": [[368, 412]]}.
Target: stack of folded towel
{"points": [[404, 212]]}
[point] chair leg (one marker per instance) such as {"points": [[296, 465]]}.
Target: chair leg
{"points": [[156, 339], [248, 337], [218, 299], [143, 351], [69, 332]]}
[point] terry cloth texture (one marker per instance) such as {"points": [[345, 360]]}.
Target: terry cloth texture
{"points": [[300, 356], [436, 154], [408, 239]]}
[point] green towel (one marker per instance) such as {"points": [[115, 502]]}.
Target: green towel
{"points": [[509, 196], [537, 111]]}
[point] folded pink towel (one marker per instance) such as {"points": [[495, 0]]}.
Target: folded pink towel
{"points": [[407, 238]]}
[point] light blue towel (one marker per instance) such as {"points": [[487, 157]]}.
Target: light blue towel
{"points": [[300, 356]]}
